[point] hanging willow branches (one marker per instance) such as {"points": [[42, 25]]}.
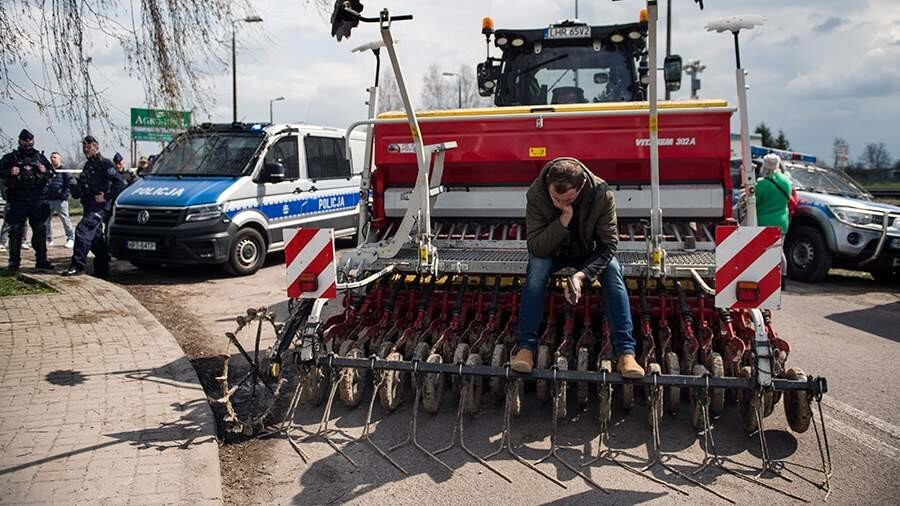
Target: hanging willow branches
{"points": [[169, 45]]}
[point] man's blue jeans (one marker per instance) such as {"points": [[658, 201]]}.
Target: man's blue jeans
{"points": [[615, 302]]}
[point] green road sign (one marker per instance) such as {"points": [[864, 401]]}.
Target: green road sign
{"points": [[157, 124]]}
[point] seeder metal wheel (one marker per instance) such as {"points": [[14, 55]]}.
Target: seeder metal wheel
{"points": [[353, 379], [562, 363], [421, 354], [654, 394], [433, 387], [604, 391], [672, 394], [696, 401], [314, 385], [747, 401], [471, 387], [498, 358], [583, 358], [391, 392], [250, 384], [542, 387], [716, 368], [460, 355], [797, 408]]}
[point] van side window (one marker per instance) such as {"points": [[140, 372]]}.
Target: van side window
{"points": [[325, 158], [284, 151]]}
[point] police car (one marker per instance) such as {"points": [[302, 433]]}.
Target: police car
{"points": [[225, 194], [837, 223]]}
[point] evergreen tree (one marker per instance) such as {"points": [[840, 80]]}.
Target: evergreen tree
{"points": [[781, 141], [766, 133]]}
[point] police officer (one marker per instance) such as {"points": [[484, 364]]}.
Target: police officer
{"points": [[26, 173], [98, 186], [127, 175]]}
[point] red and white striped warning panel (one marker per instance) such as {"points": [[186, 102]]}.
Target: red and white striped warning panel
{"points": [[309, 257], [748, 267]]}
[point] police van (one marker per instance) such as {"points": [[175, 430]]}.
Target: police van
{"points": [[225, 194]]}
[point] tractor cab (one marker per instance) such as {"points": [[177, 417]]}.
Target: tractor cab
{"points": [[569, 63]]}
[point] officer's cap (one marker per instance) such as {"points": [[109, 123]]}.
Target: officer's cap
{"points": [[89, 139], [25, 135], [117, 158]]}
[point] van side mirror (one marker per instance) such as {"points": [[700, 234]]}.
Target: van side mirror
{"points": [[488, 73], [274, 172], [672, 70]]}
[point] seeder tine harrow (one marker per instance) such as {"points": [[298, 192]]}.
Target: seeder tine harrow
{"points": [[366, 436], [323, 430]]}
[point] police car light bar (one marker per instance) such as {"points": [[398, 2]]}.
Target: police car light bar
{"points": [[760, 151]]}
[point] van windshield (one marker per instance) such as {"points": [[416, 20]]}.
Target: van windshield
{"points": [[208, 154]]}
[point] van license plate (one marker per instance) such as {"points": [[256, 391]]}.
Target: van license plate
{"points": [[896, 262], [141, 245]]}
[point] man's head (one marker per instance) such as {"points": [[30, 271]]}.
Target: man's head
{"points": [[89, 146], [142, 163], [566, 178], [119, 161], [26, 140], [770, 164], [55, 159]]}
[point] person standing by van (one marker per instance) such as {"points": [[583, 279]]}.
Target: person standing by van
{"points": [[773, 195], [58, 198], [98, 186]]}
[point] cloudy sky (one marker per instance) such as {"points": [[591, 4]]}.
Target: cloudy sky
{"points": [[818, 69]]}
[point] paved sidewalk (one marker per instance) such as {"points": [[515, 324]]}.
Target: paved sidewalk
{"points": [[98, 403]]}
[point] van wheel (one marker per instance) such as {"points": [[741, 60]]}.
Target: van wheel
{"points": [[808, 255], [247, 253]]}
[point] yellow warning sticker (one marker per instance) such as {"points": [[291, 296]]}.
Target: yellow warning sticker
{"points": [[537, 152], [654, 124]]}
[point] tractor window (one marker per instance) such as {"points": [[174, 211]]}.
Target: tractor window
{"points": [[566, 75]]}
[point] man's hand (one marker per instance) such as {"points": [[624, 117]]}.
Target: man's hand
{"points": [[41, 168], [567, 211], [14, 171], [576, 282], [99, 198]]}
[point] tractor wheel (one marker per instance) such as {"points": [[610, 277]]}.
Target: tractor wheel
{"points": [[498, 358], [421, 353], [471, 387], [391, 392], [747, 402], [542, 387], [314, 386], [672, 394], [562, 363], [605, 394], [797, 407], [696, 406], [459, 357], [433, 388], [716, 368], [353, 381], [654, 397], [583, 364]]}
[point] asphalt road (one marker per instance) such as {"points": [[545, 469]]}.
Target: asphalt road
{"points": [[847, 329]]}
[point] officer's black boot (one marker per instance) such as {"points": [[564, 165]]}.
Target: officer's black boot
{"points": [[15, 246], [39, 244]]}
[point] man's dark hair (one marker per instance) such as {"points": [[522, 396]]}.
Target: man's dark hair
{"points": [[565, 174], [56, 153]]}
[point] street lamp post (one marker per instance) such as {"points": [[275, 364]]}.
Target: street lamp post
{"points": [[248, 19], [458, 86], [270, 107]]}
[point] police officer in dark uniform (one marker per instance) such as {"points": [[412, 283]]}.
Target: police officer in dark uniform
{"points": [[27, 173], [98, 186]]}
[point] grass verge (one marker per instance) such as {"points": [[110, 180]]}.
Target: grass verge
{"points": [[13, 284]]}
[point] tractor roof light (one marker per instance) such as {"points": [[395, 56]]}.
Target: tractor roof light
{"points": [[617, 38], [501, 40], [518, 42], [487, 25], [634, 35]]}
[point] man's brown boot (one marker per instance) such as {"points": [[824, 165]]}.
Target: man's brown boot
{"points": [[522, 361], [628, 367]]}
